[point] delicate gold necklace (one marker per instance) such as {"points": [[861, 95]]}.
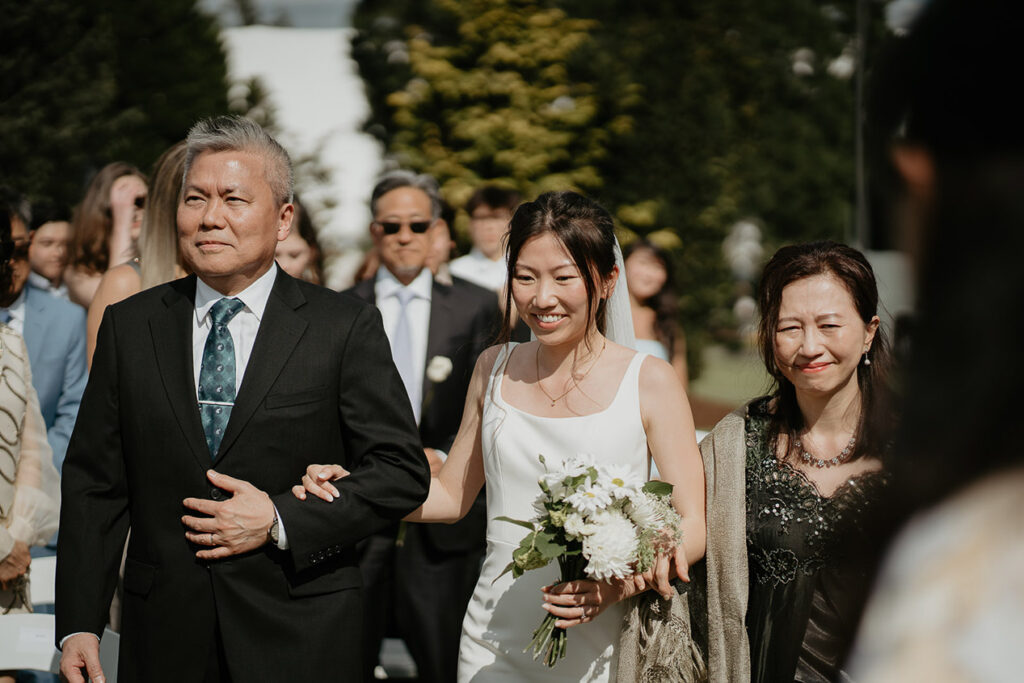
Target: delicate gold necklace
{"points": [[575, 382]]}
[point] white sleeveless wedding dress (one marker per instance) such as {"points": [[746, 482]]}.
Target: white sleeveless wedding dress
{"points": [[503, 614]]}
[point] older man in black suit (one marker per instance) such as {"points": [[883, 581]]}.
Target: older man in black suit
{"points": [[436, 333], [208, 398]]}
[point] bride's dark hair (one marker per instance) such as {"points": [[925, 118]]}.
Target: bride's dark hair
{"points": [[584, 228]]}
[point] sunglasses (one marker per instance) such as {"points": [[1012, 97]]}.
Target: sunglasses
{"points": [[392, 227]]}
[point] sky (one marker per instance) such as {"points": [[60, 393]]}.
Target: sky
{"points": [[300, 13]]}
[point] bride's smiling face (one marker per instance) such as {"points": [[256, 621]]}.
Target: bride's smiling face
{"points": [[550, 293]]}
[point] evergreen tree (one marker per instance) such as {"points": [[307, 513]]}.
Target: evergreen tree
{"points": [[86, 82]]}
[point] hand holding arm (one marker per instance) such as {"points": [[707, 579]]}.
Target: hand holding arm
{"points": [[234, 526]]}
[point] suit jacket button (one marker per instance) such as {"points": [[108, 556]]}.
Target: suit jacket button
{"points": [[216, 494]]}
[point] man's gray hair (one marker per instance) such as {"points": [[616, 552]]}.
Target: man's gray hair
{"points": [[236, 133], [401, 178]]}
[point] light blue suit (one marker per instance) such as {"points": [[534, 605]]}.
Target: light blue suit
{"points": [[55, 336]]}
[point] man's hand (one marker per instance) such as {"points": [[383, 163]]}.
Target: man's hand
{"points": [[234, 526], [15, 564], [81, 651]]}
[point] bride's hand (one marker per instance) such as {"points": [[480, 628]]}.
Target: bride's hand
{"points": [[317, 480], [659, 577], [577, 602]]}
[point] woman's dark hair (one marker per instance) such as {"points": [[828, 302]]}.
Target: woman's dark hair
{"points": [[92, 223], [584, 228], [6, 249], [663, 303], [944, 88], [849, 266], [304, 223]]}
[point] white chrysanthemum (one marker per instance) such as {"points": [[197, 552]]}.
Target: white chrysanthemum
{"points": [[574, 467], [576, 527], [646, 512], [554, 482], [611, 549], [621, 481], [590, 498]]}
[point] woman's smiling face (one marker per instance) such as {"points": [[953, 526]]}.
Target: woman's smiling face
{"points": [[549, 291], [820, 338]]}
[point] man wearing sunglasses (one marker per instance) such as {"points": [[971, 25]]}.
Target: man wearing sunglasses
{"points": [[436, 332], [54, 333]]}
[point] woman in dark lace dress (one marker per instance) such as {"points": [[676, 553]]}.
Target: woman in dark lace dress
{"points": [[799, 470]]}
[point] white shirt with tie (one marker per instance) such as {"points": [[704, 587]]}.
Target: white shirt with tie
{"points": [[243, 328]]}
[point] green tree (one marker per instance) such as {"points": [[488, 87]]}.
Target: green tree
{"points": [[686, 116], [85, 82], [494, 101]]}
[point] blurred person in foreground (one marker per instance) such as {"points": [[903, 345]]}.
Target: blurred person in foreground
{"points": [[105, 228], [222, 581], [29, 488], [792, 476], [299, 254], [54, 333], [159, 258], [50, 231], [949, 603], [652, 298], [436, 332]]}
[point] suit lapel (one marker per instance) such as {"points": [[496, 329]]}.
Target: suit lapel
{"points": [[441, 323], [171, 329], [280, 330]]}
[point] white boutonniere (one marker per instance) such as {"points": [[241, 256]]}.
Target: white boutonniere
{"points": [[439, 368]]}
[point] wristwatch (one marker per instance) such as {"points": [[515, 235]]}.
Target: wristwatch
{"points": [[274, 532]]}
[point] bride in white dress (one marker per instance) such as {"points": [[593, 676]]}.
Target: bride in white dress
{"points": [[573, 390]]}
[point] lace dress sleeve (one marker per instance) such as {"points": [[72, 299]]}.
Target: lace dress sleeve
{"points": [[35, 508]]}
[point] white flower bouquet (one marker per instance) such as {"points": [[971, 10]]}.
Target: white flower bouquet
{"points": [[599, 522]]}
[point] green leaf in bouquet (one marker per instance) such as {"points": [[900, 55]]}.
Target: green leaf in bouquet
{"points": [[658, 488], [510, 567], [517, 522], [548, 546]]}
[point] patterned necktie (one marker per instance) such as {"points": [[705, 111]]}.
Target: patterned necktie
{"points": [[401, 350], [217, 374]]}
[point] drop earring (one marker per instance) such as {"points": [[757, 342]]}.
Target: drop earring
{"points": [[866, 360]]}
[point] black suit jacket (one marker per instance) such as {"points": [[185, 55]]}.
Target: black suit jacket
{"points": [[464, 320], [320, 386]]}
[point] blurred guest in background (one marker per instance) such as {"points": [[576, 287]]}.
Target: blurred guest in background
{"points": [[105, 228], [54, 333], [439, 252], [299, 254], [48, 250], [949, 604], [792, 476], [159, 259], [436, 332], [652, 299], [29, 487], [490, 209]]}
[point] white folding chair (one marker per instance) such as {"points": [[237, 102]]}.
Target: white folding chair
{"points": [[26, 644], [44, 579]]}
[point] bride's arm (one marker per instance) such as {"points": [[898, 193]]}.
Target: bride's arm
{"points": [[456, 485], [672, 440]]}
